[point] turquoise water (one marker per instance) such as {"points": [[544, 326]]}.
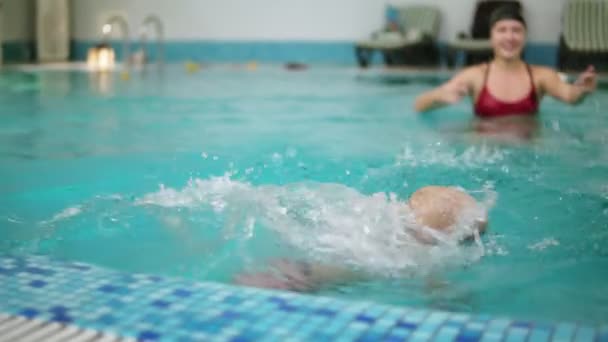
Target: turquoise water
{"points": [[216, 173]]}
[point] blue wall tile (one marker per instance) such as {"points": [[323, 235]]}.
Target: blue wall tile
{"points": [[18, 51], [340, 52], [235, 51]]}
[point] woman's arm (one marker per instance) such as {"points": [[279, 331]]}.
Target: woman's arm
{"points": [[450, 92], [552, 84]]}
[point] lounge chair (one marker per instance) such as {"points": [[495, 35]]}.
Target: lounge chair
{"points": [[584, 39], [476, 46], [414, 43]]}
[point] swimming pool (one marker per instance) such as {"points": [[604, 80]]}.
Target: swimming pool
{"points": [[174, 174]]}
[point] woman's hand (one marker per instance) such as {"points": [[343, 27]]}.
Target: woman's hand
{"points": [[587, 81], [574, 93], [452, 92]]}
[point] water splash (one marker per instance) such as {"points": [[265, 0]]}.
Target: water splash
{"points": [[64, 214], [329, 222], [494, 247], [544, 244], [435, 154]]}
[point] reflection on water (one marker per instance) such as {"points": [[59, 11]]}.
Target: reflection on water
{"points": [[101, 82], [55, 84], [518, 128]]}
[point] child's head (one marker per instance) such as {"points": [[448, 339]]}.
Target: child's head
{"points": [[440, 208]]}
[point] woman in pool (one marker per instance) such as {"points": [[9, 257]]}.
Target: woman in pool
{"points": [[437, 212], [507, 87]]}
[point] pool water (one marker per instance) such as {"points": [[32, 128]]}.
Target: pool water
{"points": [[217, 173]]}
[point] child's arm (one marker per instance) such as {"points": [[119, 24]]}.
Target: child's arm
{"points": [[298, 276]]}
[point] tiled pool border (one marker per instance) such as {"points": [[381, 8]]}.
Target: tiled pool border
{"points": [[23, 329], [148, 307]]}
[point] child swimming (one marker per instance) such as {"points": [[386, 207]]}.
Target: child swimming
{"points": [[439, 212]]}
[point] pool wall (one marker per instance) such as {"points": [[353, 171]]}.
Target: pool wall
{"points": [[246, 51], [340, 52]]}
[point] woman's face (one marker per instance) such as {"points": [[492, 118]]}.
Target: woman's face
{"points": [[508, 38]]}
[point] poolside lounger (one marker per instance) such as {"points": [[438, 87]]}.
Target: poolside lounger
{"points": [[414, 43], [584, 39]]}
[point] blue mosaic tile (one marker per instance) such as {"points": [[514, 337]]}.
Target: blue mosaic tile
{"points": [[162, 304], [602, 333], [112, 289], [245, 337], [38, 283], [491, 337], [459, 318], [446, 334], [182, 293], [365, 319], [348, 335], [539, 334], [415, 316], [469, 335], [149, 335], [58, 310], [428, 328], [564, 332], [384, 323], [393, 338], [38, 271], [407, 325], [78, 266], [399, 333], [152, 308], [584, 334], [436, 318], [481, 318], [107, 319], [420, 336], [325, 312], [29, 312], [498, 326], [62, 319], [370, 337], [515, 334], [521, 324]]}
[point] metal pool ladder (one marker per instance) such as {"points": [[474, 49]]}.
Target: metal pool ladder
{"points": [[154, 22]]}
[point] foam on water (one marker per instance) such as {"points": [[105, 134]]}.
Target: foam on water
{"points": [[64, 214], [437, 154], [544, 244]]}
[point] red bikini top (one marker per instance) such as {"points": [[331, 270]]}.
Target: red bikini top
{"points": [[488, 106]]}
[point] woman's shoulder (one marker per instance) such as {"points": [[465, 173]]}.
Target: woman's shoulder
{"points": [[477, 68], [542, 69], [542, 72], [473, 71]]}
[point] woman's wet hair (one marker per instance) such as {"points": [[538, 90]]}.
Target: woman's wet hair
{"points": [[507, 12]]}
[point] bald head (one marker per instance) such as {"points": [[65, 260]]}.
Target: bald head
{"points": [[440, 207]]}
